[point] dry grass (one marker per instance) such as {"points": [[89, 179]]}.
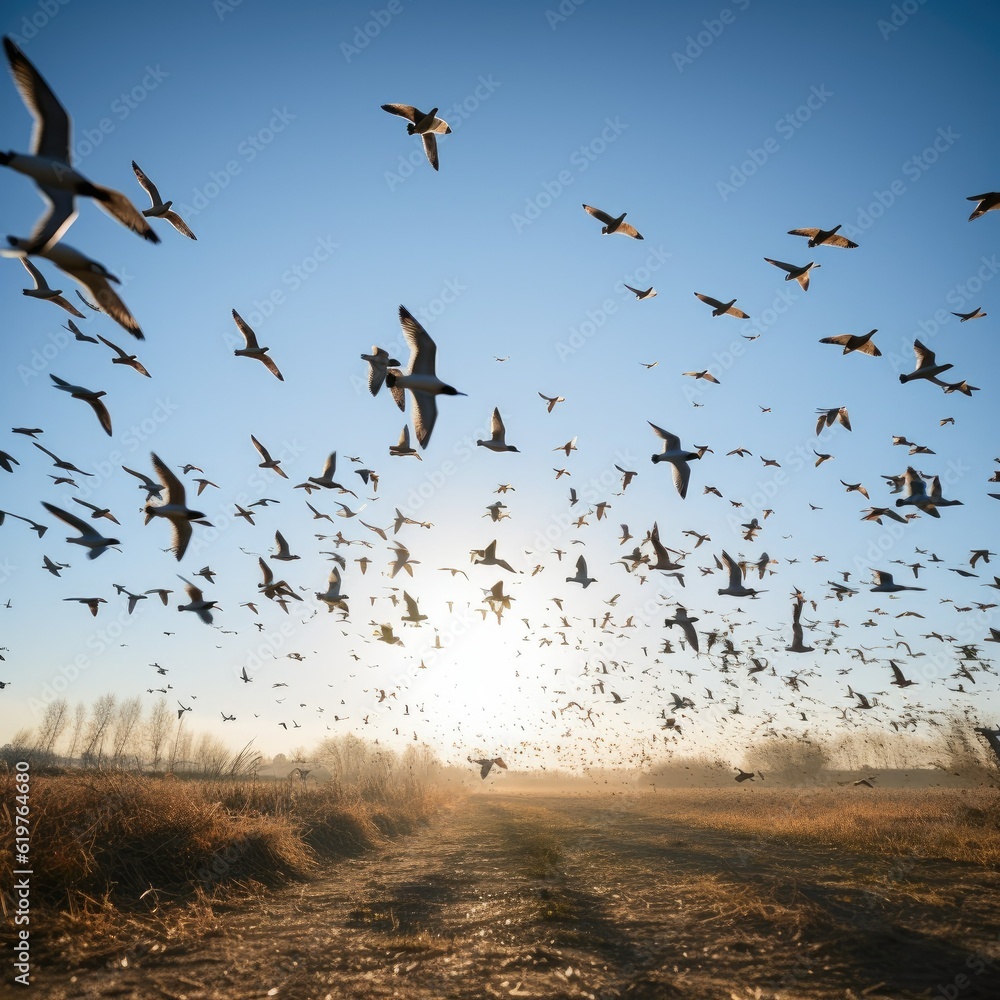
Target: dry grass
{"points": [[113, 854], [927, 823]]}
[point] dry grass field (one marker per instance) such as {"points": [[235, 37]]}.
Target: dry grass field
{"points": [[739, 893]]}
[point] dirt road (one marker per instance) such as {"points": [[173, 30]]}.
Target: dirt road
{"points": [[600, 897]]}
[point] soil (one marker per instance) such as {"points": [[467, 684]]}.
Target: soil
{"points": [[576, 896]]}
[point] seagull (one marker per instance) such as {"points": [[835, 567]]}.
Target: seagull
{"points": [[898, 680], [89, 538], [686, 625], [581, 574], [641, 294], [612, 225], [100, 511], [403, 448], [173, 507], [987, 202], [916, 493], [152, 489], [124, 359], [850, 343], [412, 612], [44, 292], [497, 441], [824, 237], [333, 598], [676, 456], [53, 567], [92, 602], [197, 603], [48, 163], [253, 349], [424, 125], [488, 557], [799, 273], [827, 418], [379, 362], [706, 375], [722, 308], [283, 554], [962, 317], [421, 380], [486, 764], [268, 463], [95, 277], [927, 366], [735, 587], [797, 646], [88, 396], [326, 480], [884, 584], [552, 400], [160, 209]]}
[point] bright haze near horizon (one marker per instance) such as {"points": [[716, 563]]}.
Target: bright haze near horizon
{"points": [[716, 129]]}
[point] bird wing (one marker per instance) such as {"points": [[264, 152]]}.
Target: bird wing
{"points": [[170, 482], [403, 110], [248, 335], [671, 442], [423, 351], [682, 473], [51, 134], [708, 300], [53, 224], [497, 429], [430, 148], [424, 414], [924, 355], [147, 185], [71, 519], [598, 214], [179, 224]]}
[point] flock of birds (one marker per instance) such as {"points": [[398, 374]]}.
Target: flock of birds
{"points": [[737, 662]]}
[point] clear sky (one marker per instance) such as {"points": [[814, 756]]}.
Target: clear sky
{"points": [[717, 129]]}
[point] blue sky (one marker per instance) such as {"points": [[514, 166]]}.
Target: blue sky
{"points": [[317, 216]]}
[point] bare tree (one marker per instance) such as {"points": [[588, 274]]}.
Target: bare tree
{"points": [[79, 718], [158, 724], [54, 721], [180, 751], [101, 714], [129, 712], [211, 755]]}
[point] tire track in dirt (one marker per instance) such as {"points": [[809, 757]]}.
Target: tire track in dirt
{"points": [[566, 896]]}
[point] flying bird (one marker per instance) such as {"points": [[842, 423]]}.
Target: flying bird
{"points": [[427, 126], [611, 224], [48, 163], [160, 209], [421, 379]]}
